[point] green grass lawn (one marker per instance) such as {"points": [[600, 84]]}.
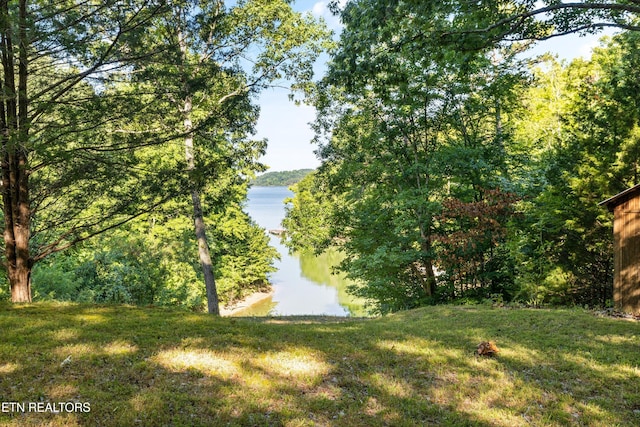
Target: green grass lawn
{"points": [[155, 367]]}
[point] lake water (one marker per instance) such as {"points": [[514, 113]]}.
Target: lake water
{"points": [[303, 283]]}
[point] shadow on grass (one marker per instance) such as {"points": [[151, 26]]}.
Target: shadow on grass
{"points": [[164, 367]]}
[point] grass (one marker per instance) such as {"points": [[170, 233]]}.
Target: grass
{"points": [[157, 367]]}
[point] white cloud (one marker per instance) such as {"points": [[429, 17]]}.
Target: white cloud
{"points": [[320, 9], [586, 49]]}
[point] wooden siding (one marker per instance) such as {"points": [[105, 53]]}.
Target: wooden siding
{"points": [[626, 234]]}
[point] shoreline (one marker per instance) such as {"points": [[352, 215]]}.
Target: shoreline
{"points": [[244, 303]]}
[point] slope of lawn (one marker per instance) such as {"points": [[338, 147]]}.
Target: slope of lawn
{"points": [[154, 367]]}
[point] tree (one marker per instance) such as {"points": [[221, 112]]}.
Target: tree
{"points": [[78, 161], [308, 215], [526, 20], [219, 59], [58, 60], [469, 238], [444, 73], [583, 149], [480, 24], [406, 124]]}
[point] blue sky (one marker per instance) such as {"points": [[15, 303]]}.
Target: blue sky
{"points": [[286, 126]]}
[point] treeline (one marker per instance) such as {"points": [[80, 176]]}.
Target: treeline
{"points": [[454, 174], [280, 178], [127, 145]]}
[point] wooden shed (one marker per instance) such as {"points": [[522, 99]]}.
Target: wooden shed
{"points": [[626, 246]]}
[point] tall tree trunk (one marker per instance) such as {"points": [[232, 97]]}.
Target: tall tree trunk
{"points": [[17, 215], [198, 217], [14, 121], [429, 284]]}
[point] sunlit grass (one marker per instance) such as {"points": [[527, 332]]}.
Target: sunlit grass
{"points": [[205, 362], [163, 367], [8, 368]]}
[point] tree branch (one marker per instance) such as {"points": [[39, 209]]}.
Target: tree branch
{"points": [[58, 246], [521, 17]]}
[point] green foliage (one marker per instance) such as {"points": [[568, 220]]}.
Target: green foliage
{"points": [[484, 23], [280, 179], [71, 166], [308, 216], [5, 295], [242, 253], [218, 57], [110, 96], [401, 130], [565, 242], [149, 262], [55, 279], [453, 175], [426, 121]]}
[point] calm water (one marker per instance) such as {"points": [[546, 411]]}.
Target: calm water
{"points": [[303, 283]]}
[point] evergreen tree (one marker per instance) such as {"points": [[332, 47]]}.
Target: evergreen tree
{"points": [[60, 118]]}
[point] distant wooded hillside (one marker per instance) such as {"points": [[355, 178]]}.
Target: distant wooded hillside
{"points": [[281, 179]]}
